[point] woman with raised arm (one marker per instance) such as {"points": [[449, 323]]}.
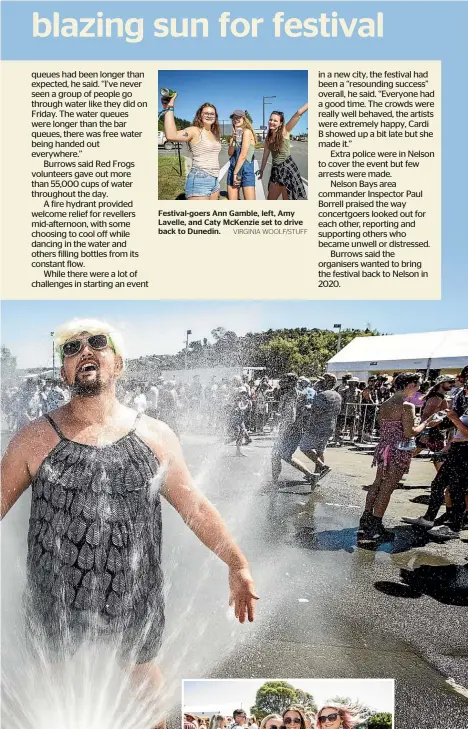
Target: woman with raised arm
{"points": [[204, 141], [285, 179], [241, 151]]}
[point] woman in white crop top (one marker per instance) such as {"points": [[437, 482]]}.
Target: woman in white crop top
{"points": [[204, 141]]}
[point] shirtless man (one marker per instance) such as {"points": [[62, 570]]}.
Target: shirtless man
{"points": [[97, 471]]}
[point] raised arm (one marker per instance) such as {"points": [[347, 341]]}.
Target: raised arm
{"points": [[171, 132], [295, 117], [206, 523], [14, 472]]}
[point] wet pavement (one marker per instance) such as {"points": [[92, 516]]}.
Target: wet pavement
{"points": [[327, 608]]}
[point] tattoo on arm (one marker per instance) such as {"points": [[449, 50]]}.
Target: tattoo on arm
{"points": [[185, 134]]}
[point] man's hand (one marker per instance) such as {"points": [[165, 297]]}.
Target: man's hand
{"points": [[242, 594]]}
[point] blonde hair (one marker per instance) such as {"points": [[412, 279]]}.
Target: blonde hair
{"points": [[75, 327], [248, 125], [270, 716]]}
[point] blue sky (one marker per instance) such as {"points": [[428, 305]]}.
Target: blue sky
{"points": [[225, 696], [158, 327], [229, 90]]}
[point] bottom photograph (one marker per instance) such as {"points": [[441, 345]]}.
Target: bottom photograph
{"points": [[288, 704]]}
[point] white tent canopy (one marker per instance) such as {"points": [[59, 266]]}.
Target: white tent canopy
{"points": [[434, 350]]}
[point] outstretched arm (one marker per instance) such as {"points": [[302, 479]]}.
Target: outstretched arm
{"points": [[295, 117], [206, 523]]}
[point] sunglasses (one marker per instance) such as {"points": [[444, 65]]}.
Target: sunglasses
{"points": [[296, 720], [274, 726], [95, 341], [329, 717]]}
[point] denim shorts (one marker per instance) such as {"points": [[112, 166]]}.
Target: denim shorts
{"points": [[200, 183], [246, 173]]}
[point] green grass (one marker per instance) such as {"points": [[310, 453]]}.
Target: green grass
{"points": [[170, 182]]}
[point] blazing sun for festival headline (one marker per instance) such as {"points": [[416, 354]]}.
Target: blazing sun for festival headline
{"points": [[326, 25]]}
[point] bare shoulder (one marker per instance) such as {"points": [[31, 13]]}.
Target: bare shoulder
{"points": [[159, 437], [36, 432], [408, 406]]}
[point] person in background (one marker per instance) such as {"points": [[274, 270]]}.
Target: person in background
{"points": [[320, 423], [241, 150], [272, 721], [285, 179], [435, 401], [369, 404], [392, 456], [240, 719], [253, 723], [204, 142]]}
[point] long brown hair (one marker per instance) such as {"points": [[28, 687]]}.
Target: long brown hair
{"points": [[197, 122], [275, 139]]}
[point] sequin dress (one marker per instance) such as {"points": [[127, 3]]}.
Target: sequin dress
{"points": [[387, 452], [94, 546]]}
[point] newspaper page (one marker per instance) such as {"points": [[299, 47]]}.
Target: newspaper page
{"points": [[232, 284]]}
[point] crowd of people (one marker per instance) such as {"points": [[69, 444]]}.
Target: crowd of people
{"points": [[331, 716], [404, 413]]}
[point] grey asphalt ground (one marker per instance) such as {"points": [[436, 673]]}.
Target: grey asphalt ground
{"points": [[299, 151], [327, 608]]}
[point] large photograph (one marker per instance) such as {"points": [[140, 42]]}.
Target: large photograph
{"points": [[240, 135], [310, 483]]}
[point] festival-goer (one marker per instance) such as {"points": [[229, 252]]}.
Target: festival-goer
{"points": [[239, 407], [272, 721], [204, 141], [348, 416], [452, 476], [218, 721], [240, 719], [112, 514], [336, 716], [253, 723], [320, 423], [241, 150], [285, 179], [294, 717], [368, 409], [392, 456], [290, 414], [435, 401]]}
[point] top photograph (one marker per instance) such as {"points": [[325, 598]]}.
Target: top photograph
{"points": [[233, 135]]}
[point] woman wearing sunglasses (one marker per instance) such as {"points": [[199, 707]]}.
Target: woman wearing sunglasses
{"points": [[272, 721], [294, 718], [241, 151], [285, 179], [335, 716], [204, 142]]}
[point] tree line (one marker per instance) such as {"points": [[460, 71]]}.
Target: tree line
{"points": [[301, 350]]}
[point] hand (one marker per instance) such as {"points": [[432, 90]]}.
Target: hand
{"points": [[236, 180], [242, 594], [259, 174], [169, 104], [452, 415]]}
